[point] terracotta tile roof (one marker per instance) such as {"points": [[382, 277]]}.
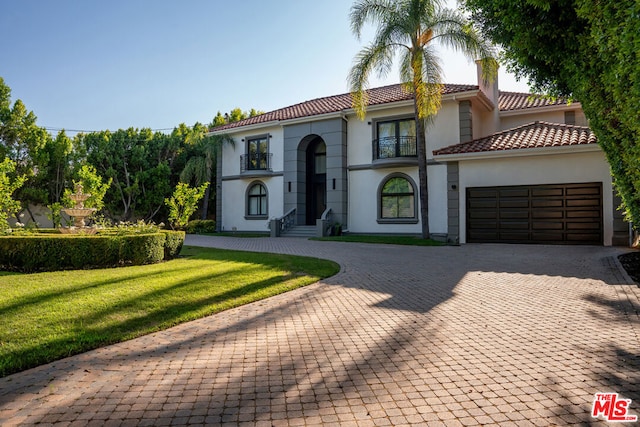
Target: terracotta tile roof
{"points": [[533, 135], [510, 101], [336, 103]]}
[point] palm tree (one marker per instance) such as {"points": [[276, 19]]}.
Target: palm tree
{"points": [[199, 169], [411, 28]]}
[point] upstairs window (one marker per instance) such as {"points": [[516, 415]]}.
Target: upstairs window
{"points": [[257, 154], [396, 138]]}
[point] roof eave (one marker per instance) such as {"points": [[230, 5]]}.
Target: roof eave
{"points": [[547, 108], [475, 94], [313, 118], [239, 129], [520, 152]]}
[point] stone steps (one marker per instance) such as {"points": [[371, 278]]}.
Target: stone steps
{"points": [[303, 231]]}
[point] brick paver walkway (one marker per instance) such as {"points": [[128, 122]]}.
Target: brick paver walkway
{"points": [[471, 335]]}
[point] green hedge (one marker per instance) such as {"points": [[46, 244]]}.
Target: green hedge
{"points": [[201, 226], [173, 243], [31, 253]]}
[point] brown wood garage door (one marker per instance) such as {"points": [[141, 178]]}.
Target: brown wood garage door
{"points": [[557, 214]]}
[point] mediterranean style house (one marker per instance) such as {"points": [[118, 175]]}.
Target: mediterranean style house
{"points": [[502, 167]]}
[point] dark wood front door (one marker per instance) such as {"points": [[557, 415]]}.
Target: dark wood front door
{"points": [[551, 214]]}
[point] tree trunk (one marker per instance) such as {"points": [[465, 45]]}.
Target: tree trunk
{"points": [[421, 151]]}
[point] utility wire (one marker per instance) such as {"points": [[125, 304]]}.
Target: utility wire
{"points": [[58, 129]]}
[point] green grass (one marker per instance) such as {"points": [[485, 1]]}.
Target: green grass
{"points": [[384, 239], [48, 316]]}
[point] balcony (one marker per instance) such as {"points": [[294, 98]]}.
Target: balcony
{"points": [[255, 163], [394, 151]]}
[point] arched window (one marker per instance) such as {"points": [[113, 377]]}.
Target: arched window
{"points": [[257, 200], [397, 200]]}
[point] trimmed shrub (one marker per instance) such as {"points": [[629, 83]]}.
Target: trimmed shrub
{"points": [[31, 253], [140, 249], [201, 226], [173, 243]]}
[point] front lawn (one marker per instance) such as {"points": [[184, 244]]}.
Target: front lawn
{"points": [[48, 316], [381, 238]]}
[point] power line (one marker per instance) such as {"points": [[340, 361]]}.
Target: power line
{"points": [[58, 129]]}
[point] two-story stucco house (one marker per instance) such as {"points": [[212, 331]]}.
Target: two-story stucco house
{"points": [[502, 167]]}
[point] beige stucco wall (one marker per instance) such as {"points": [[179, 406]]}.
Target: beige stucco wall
{"points": [[445, 129], [442, 132], [508, 122], [485, 122], [363, 200], [231, 155], [360, 133], [234, 204]]}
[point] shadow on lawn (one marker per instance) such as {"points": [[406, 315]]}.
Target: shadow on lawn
{"points": [[21, 302], [159, 308]]}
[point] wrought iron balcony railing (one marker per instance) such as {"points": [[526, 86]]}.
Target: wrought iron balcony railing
{"points": [[394, 146], [255, 162]]}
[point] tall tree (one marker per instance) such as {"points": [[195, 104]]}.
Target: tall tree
{"points": [[200, 167], [412, 28], [24, 142], [138, 162], [234, 116], [586, 49], [20, 137], [8, 184], [55, 169]]}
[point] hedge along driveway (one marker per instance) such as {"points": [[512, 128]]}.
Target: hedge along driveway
{"points": [[48, 316], [51, 252]]}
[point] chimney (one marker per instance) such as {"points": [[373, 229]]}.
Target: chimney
{"points": [[490, 90]]}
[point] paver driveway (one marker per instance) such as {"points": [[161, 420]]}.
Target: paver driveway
{"points": [[470, 335]]}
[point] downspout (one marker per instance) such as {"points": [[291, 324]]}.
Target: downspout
{"points": [[219, 189], [346, 172]]}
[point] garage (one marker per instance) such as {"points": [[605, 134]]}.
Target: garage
{"points": [[545, 214]]}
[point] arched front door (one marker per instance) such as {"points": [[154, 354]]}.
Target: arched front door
{"points": [[316, 200]]}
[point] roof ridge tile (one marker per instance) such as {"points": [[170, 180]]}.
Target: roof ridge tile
{"points": [[335, 103], [508, 101]]}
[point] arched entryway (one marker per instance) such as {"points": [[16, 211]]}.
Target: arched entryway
{"points": [[316, 180]]}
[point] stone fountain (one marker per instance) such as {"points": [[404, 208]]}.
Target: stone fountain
{"points": [[79, 213]]}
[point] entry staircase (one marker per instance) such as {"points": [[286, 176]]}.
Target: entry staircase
{"points": [[305, 231], [286, 227]]}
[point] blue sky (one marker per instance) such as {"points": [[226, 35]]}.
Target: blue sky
{"points": [[93, 65]]}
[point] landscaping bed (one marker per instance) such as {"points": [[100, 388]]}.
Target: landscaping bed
{"points": [[631, 263]]}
